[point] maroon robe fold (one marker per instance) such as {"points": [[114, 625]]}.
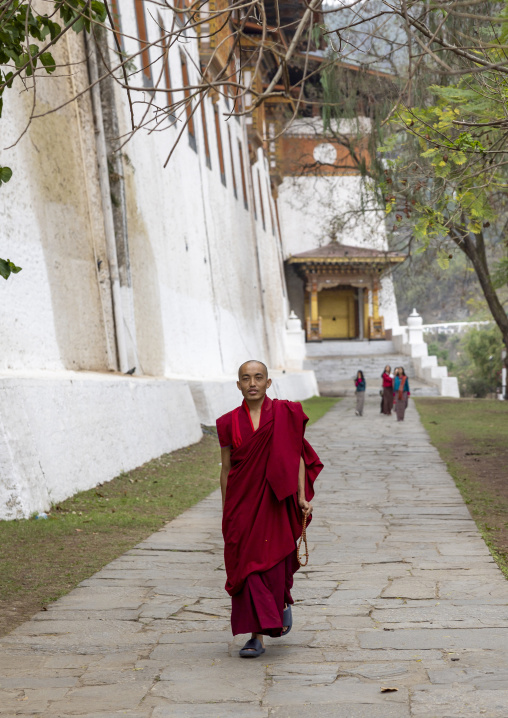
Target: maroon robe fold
{"points": [[262, 520]]}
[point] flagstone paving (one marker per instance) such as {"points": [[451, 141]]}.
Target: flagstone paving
{"points": [[401, 612]]}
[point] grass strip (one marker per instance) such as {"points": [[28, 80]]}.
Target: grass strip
{"points": [[471, 436], [317, 406], [43, 559]]}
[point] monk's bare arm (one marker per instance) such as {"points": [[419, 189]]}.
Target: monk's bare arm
{"points": [[226, 466], [305, 505]]}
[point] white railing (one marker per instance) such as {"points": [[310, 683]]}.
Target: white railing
{"points": [[452, 327], [409, 340]]}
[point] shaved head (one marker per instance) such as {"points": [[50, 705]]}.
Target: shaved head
{"points": [[253, 361], [253, 382]]}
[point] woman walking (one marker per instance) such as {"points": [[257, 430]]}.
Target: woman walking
{"points": [[402, 393], [387, 403], [360, 393], [394, 395]]}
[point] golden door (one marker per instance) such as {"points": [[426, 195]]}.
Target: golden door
{"points": [[337, 309]]}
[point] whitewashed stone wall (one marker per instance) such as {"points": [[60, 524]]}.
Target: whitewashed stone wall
{"points": [[208, 291], [69, 431], [193, 247], [207, 277], [388, 303], [55, 314], [312, 207]]}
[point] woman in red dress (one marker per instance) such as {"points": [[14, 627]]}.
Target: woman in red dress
{"points": [[387, 403]]}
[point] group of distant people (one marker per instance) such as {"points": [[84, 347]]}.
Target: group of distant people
{"points": [[395, 392]]}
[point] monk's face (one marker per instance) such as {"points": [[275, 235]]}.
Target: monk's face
{"points": [[253, 381]]}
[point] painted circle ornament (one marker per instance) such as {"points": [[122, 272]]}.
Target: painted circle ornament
{"points": [[325, 153]]}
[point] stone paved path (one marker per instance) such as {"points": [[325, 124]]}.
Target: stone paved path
{"points": [[400, 592]]}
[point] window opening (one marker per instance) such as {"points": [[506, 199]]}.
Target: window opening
{"points": [[205, 133], [232, 163], [242, 172], [261, 202], [254, 203], [219, 144], [117, 23], [188, 102], [270, 207], [165, 60], [143, 42], [180, 7]]}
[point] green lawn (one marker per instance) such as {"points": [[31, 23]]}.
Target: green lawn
{"points": [[471, 436], [317, 406], [42, 559]]}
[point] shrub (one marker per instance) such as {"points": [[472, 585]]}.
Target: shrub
{"points": [[480, 367]]}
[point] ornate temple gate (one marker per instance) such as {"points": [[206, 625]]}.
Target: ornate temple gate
{"points": [[339, 313], [341, 286]]}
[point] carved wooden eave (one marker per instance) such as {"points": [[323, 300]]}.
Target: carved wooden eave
{"points": [[340, 264], [264, 124], [215, 36]]}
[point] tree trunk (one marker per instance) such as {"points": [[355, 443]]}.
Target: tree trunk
{"points": [[474, 248]]}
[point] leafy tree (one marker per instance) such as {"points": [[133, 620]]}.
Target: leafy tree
{"points": [[448, 180], [439, 153], [474, 358], [479, 375], [7, 268]]}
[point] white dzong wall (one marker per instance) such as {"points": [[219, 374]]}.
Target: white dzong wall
{"points": [[192, 233], [55, 314], [312, 207], [316, 207], [207, 289]]}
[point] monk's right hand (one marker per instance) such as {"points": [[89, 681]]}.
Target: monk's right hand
{"points": [[305, 506]]}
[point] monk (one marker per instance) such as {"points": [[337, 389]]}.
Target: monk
{"points": [[267, 476]]}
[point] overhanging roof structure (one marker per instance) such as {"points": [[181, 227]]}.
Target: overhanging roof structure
{"points": [[343, 256]]}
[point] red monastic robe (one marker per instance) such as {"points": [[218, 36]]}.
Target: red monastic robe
{"points": [[262, 520]]}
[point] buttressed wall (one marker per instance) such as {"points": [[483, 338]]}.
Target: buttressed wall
{"points": [[205, 285]]}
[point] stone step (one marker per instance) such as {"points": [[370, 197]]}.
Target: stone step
{"points": [[345, 387], [335, 374], [333, 368], [348, 347]]}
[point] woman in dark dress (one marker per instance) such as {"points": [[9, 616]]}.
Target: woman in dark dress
{"points": [[360, 393], [401, 392], [387, 402]]}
